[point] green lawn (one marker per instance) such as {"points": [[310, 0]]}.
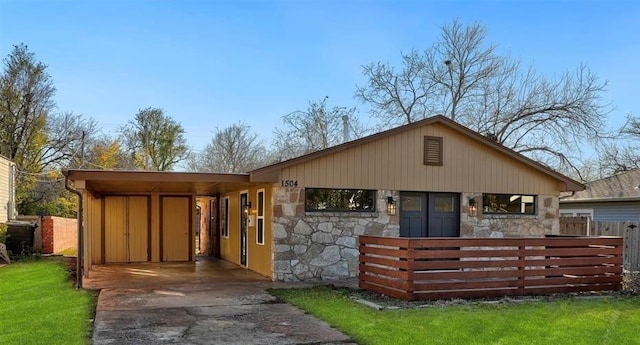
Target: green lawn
{"points": [[566, 321], [39, 305]]}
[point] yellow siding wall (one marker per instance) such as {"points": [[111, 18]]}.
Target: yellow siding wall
{"points": [[259, 258], [93, 228], [230, 246], [396, 163], [260, 254]]}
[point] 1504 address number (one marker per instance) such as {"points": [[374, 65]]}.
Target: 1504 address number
{"points": [[289, 183]]}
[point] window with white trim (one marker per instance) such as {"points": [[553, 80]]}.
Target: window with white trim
{"points": [[260, 217], [224, 217]]}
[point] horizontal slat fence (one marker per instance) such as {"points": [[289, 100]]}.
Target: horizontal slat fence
{"points": [[444, 268]]}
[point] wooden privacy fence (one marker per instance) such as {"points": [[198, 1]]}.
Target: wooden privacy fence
{"points": [[574, 226], [628, 230], [444, 268]]}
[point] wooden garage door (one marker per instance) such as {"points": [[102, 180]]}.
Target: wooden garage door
{"points": [[176, 228], [126, 229]]}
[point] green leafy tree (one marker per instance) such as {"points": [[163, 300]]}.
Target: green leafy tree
{"points": [[40, 141], [106, 153], [26, 100], [154, 140]]}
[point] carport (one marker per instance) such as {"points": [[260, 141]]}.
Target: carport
{"points": [[133, 217]]}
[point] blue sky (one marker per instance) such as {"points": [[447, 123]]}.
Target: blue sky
{"points": [[212, 63]]}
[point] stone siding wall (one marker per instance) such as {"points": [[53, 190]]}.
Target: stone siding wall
{"points": [[311, 246], [544, 222], [322, 245]]}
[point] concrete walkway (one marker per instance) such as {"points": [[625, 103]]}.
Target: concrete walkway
{"points": [[209, 302]]}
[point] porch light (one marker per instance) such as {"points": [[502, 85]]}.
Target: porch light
{"points": [[246, 207], [473, 207], [391, 206]]}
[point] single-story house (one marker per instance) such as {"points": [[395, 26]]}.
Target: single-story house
{"points": [[612, 199], [7, 189], [300, 219]]}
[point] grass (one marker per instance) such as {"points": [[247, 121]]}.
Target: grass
{"points": [[39, 305], [563, 321]]}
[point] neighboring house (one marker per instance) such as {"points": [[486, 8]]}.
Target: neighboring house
{"points": [[7, 189], [612, 199], [300, 219]]}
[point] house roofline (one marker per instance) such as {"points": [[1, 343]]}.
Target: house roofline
{"points": [[569, 183], [145, 175], [584, 201]]}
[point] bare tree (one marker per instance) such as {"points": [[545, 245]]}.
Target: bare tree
{"points": [[621, 153], [316, 128], [398, 97], [234, 149], [462, 76], [154, 140]]}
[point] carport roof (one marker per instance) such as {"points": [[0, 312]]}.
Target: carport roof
{"points": [[100, 182]]}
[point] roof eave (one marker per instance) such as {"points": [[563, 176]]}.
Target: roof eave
{"points": [[161, 176], [577, 201]]}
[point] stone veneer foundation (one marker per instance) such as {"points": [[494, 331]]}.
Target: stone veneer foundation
{"points": [[321, 245], [310, 246], [544, 222]]}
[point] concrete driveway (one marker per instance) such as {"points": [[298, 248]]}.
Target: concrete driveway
{"points": [[209, 302]]}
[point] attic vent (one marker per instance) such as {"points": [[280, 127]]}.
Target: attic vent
{"points": [[432, 150]]}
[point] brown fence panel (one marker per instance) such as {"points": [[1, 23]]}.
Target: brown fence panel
{"points": [[426, 268]]}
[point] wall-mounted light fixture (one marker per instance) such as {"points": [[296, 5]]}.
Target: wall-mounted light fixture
{"points": [[246, 207], [473, 207], [391, 206]]}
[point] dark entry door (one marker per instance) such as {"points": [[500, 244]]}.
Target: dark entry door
{"points": [[444, 215], [413, 214], [425, 214], [243, 230]]}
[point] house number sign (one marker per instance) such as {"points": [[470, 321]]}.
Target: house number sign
{"points": [[289, 183]]}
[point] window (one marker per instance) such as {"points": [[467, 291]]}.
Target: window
{"points": [[432, 150], [508, 204], [224, 217], [411, 203], [580, 212], [443, 204], [359, 200], [260, 217]]}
